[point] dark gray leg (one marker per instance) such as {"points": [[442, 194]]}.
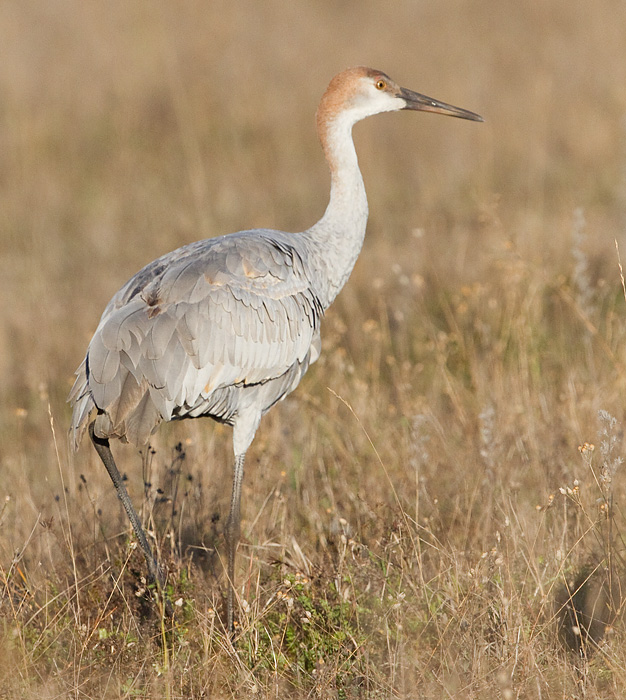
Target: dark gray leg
{"points": [[233, 533], [105, 454]]}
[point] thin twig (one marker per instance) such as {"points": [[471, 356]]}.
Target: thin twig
{"points": [[621, 270]]}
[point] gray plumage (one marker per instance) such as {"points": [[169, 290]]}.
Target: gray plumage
{"points": [[226, 327], [206, 330]]}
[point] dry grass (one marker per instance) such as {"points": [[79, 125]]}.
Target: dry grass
{"points": [[419, 519]]}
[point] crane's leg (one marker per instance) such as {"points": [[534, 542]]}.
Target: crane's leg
{"points": [[104, 452], [233, 533]]}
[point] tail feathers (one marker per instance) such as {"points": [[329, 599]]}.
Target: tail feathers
{"points": [[83, 406], [132, 417]]}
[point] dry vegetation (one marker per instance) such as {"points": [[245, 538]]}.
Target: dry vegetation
{"points": [[426, 517]]}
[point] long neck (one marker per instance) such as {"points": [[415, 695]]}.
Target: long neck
{"points": [[336, 239]]}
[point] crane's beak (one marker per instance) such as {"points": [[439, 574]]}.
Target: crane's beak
{"points": [[426, 104]]}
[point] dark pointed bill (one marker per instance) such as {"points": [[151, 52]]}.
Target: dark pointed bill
{"points": [[426, 104]]}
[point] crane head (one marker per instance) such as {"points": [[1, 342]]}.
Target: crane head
{"points": [[361, 92]]}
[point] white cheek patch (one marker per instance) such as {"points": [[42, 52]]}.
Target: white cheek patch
{"points": [[374, 102]]}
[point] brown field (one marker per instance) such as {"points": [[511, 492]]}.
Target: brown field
{"points": [[423, 517]]}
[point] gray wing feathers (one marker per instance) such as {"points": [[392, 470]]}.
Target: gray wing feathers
{"points": [[82, 401], [235, 310]]}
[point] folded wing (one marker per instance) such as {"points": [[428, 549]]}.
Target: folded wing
{"points": [[238, 310]]}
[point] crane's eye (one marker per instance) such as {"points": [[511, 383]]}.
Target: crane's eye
{"points": [[381, 84]]}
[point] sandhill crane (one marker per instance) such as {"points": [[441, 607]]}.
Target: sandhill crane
{"points": [[226, 327]]}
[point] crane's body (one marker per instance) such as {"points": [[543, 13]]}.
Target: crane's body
{"points": [[227, 326], [223, 327]]}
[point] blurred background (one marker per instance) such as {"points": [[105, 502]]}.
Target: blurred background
{"points": [[479, 334]]}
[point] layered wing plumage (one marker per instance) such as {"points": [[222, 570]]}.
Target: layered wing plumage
{"points": [[238, 310]]}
